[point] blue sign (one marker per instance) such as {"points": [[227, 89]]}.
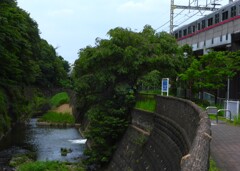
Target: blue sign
{"points": [[165, 85]]}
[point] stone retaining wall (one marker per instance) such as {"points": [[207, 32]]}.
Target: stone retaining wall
{"points": [[176, 137]]}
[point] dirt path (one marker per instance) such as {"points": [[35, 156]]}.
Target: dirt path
{"points": [[64, 108]]}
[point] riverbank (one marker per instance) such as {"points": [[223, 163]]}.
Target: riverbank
{"points": [[62, 125], [45, 142]]}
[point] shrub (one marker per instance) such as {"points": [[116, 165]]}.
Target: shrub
{"points": [[59, 99]]}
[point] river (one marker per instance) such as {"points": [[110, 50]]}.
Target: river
{"points": [[46, 142]]}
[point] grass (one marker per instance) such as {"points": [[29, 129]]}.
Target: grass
{"points": [[213, 117], [236, 121], [48, 166], [55, 117], [149, 103], [59, 99], [213, 166]]}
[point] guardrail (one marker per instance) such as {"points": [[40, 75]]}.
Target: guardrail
{"points": [[213, 110]]}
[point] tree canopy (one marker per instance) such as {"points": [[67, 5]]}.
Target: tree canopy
{"points": [[106, 78], [25, 60], [211, 71], [24, 56]]}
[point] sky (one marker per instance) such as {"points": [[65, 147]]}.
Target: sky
{"points": [[74, 24]]}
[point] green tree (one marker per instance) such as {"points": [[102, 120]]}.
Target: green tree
{"points": [[106, 79], [209, 72], [25, 60], [151, 81]]}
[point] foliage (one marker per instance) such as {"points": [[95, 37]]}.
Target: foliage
{"points": [[26, 60], [4, 118], [40, 104], [151, 80], [54, 117], [19, 159], [106, 80], [209, 72], [59, 99]]}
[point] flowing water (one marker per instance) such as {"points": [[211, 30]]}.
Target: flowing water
{"points": [[46, 142]]}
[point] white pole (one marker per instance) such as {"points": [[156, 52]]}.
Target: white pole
{"points": [[228, 87]]}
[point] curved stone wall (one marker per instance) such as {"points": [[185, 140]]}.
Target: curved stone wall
{"points": [[176, 137]]}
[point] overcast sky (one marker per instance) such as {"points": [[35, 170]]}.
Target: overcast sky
{"points": [[74, 24]]}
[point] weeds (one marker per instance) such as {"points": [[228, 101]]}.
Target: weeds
{"points": [[54, 117], [213, 166]]}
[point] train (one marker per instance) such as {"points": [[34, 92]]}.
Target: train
{"points": [[223, 15]]}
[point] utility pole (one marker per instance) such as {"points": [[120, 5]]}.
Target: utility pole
{"points": [[171, 16], [196, 7]]}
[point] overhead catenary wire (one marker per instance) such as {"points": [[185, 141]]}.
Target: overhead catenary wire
{"points": [[173, 17], [185, 20]]}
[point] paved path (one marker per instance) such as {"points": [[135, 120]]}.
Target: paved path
{"points": [[225, 146]]}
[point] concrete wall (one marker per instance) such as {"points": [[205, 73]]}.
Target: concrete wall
{"points": [[176, 137]]}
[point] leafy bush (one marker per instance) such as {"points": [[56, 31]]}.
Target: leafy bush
{"points": [[55, 117], [40, 104], [59, 99]]}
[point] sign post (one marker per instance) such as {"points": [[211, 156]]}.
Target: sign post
{"points": [[165, 85]]}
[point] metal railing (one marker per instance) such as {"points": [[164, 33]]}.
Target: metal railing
{"points": [[213, 110]]}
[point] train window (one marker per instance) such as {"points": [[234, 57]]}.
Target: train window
{"points": [[210, 21], [199, 26], [180, 33], [203, 24], [184, 32], [226, 36], [233, 11], [221, 38], [224, 15], [189, 30], [193, 29], [212, 40], [216, 18]]}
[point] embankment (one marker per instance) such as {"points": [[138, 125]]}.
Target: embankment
{"points": [[175, 137]]}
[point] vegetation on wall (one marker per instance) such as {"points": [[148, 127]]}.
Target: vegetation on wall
{"points": [[106, 81]]}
